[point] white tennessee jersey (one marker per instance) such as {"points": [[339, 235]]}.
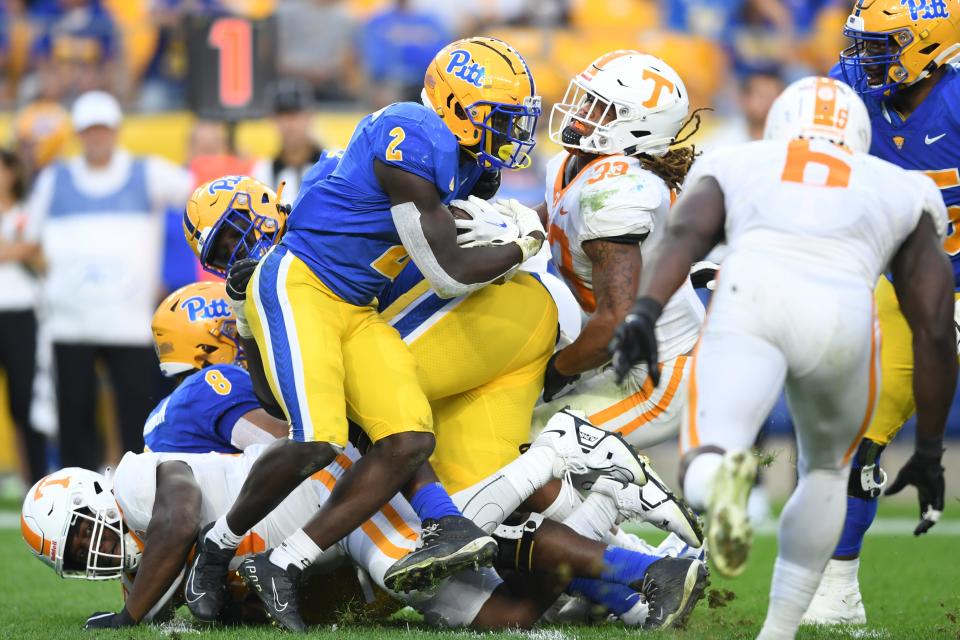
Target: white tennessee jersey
{"points": [[614, 197], [835, 213]]}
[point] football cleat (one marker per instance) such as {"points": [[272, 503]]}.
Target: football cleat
{"points": [[672, 587], [447, 546], [205, 590], [729, 534], [588, 452], [838, 599], [277, 589], [653, 503]]}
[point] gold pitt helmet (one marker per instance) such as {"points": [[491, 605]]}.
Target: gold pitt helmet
{"points": [[898, 42], [42, 129], [195, 326], [483, 91], [231, 218]]}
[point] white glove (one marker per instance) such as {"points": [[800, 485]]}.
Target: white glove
{"points": [[527, 222], [486, 226]]}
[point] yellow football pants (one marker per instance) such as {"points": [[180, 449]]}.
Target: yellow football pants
{"points": [[326, 359], [480, 362], [896, 404]]}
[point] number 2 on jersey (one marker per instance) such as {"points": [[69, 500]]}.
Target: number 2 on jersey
{"points": [[397, 134], [218, 382]]}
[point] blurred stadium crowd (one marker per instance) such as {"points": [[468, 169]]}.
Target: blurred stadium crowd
{"points": [[123, 89]]}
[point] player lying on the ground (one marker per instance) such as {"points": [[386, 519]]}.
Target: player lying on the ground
{"points": [[607, 196], [811, 221], [71, 521], [901, 63]]}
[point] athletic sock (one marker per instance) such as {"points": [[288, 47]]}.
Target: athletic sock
{"points": [[432, 502], [297, 550], [221, 535], [698, 480], [595, 517], [566, 503], [625, 566], [793, 588], [618, 598], [862, 503], [491, 500]]}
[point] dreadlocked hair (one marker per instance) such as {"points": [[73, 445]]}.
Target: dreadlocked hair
{"points": [[673, 166]]}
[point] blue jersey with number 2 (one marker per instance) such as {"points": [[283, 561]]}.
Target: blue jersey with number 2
{"points": [[341, 226]]}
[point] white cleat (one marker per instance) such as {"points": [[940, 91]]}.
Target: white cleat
{"points": [[729, 533], [653, 503], [838, 599], [585, 450]]}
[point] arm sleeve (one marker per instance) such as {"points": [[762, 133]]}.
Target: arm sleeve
{"points": [[168, 184], [38, 205]]}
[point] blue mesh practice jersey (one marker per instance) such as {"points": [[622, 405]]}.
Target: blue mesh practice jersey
{"points": [[199, 416], [341, 226], [928, 141]]}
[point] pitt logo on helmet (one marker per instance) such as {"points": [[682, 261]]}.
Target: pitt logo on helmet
{"points": [[198, 308], [929, 8], [461, 65]]}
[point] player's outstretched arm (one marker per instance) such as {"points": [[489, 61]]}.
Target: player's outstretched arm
{"points": [[695, 226], [429, 234], [173, 528], [923, 281]]}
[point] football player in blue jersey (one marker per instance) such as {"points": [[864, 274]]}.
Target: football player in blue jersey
{"points": [[328, 353], [214, 407], [899, 63]]}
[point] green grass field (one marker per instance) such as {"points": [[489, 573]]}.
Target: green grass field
{"points": [[911, 588]]}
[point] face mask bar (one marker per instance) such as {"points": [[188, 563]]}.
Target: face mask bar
{"points": [[577, 121], [855, 60], [508, 133], [100, 565], [256, 235]]}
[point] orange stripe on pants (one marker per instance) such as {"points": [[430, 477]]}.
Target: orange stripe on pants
{"points": [[871, 391], [383, 543], [662, 404]]}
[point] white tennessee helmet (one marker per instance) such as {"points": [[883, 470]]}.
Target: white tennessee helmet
{"points": [[57, 504], [624, 102], [822, 108]]}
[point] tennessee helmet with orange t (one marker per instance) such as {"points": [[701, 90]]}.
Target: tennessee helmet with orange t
{"points": [[624, 102], [898, 42], [823, 108], [53, 509], [230, 218], [194, 327], [484, 92]]}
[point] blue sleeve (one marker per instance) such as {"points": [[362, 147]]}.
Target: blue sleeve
{"points": [[225, 409], [836, 72], [410, 137]]}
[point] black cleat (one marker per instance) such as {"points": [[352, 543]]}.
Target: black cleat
{"points": [[277, 589], [205, 590], [447, 546], [672, 588]]}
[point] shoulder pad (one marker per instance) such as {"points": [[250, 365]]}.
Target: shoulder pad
{"points": [[621, 200]]}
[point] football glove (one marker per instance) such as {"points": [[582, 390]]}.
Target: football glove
{"points": [[109, 620], [925, 472], [635, 341], [237, 280], [556, 384], [528, 222], [487, 186], [486, 226], [703, 275]]}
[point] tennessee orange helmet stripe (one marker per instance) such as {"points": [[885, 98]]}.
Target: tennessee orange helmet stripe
{"points": [[37, 542]]}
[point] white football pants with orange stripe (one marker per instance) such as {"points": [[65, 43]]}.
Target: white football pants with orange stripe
{"points": [[642, 414]]}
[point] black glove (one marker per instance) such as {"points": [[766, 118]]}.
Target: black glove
{"points": [[238, 277], [487, 186], [634, 342], [702, 274], [924, 471], [109, 620], [556, 384]]}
